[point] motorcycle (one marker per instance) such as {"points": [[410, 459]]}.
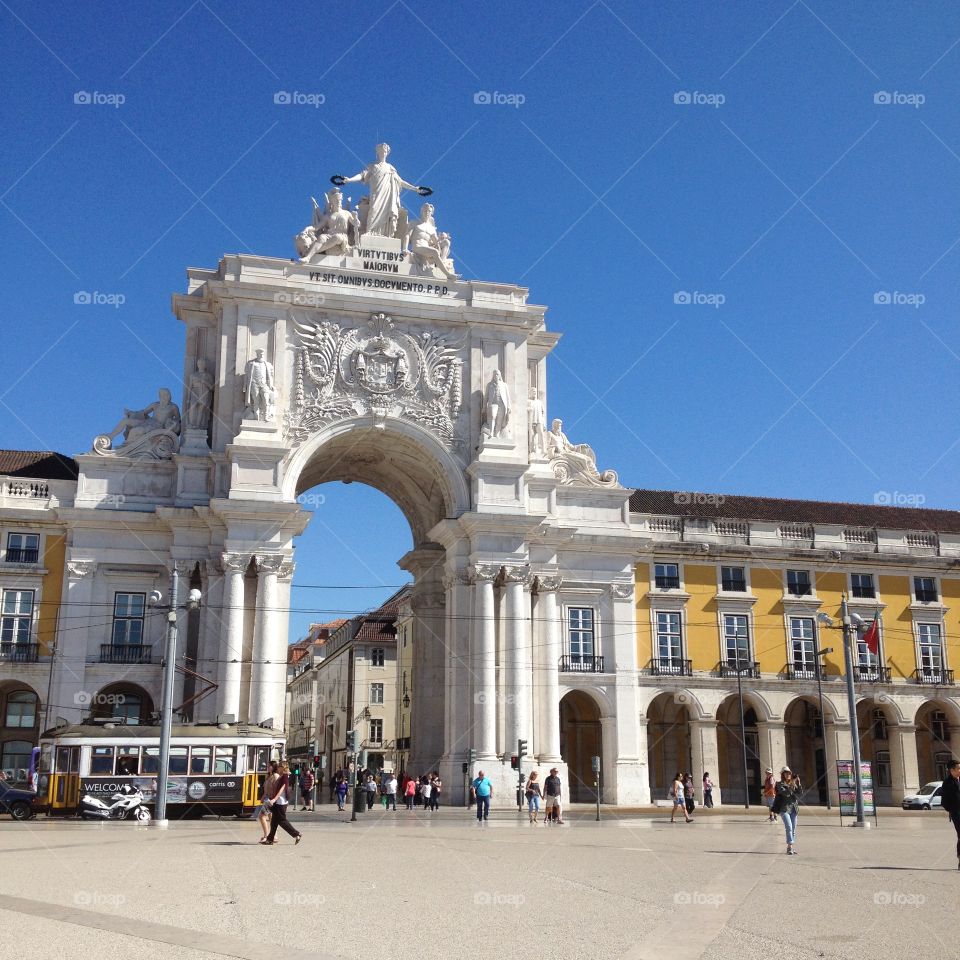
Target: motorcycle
{"points": [[126, 803]]}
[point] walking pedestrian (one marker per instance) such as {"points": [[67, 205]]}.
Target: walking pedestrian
{"points": [[552, 790], [786, 803], [263, 811], [676, 795], [306, 789], [409, 793], [391, 791], [689, 799], [950, 799], [769, 793], [278, 808], [707, 791], [370, 788], [534, 795], [426, 789], [436, 787], [341, 791], [482, 790]]}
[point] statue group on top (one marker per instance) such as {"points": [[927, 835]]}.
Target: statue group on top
{"points": [[337, 228], [152, 433]]}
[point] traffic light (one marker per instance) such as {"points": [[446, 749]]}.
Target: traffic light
{"points": [[514, 762], [471, 756], [316, 760], [296, 770], [351, 741], [521, 748]]}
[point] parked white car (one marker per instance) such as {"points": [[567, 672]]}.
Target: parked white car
{"points": [[926, 798]]}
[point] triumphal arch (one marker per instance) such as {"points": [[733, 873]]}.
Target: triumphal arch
{"points": [[367, 358]]}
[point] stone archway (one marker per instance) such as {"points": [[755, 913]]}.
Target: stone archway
{"points": [[806, 747], [122, 700], [730, 750], [668, 741], [581, 739], [938, 738]]}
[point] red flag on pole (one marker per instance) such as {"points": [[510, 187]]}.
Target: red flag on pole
{"points": [[872, 636]]}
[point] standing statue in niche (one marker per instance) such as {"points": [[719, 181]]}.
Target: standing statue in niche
{"points": [[429, 248], [383, 209], [538, 425], [335, 230], [496, 417], [258, 393], [200, 397]]}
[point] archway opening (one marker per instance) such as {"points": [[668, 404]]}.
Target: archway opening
{"points": [[668, 742], [935, 744], [873, 722], [731, 748], [125, 702], [581, 739], [19, 713], [806, 747]]}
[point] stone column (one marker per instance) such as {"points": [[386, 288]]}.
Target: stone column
{"points": [[519, 661], [548, 656], [230, 649], [70, 697], [643, 782], [904, 762], [839, 746], [265, 646], [706, 756], [773, 754], [483, 656]]}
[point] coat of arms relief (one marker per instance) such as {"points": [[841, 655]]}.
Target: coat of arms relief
{"points": [[377, 370]]}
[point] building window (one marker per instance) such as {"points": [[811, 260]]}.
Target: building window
{"points": [[802, 652], [376, 731], [931, 648], [878, 722], [925, 589], [16, 759], [23, 548], [21, 710], [939, 726], [377, 656], [861, 586], [669, 639], [128, 611], [17, 619], [736, 639], [883, 768], [666, 576], [866, 660], [376, 693], [581, 634], [733, 580], [798, 583]]}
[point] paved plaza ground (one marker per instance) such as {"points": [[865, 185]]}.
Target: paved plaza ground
{"points": [[397, 885]]}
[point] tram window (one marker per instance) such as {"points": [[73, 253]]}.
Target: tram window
{"points": [[63, 759], [226, 760], [101, 762], [46, 759], [178, 761], [128, 762], [200, 759], [151, 760]]}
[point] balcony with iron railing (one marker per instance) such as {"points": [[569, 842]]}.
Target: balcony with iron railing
{"points": [[12, 651], [747, 668], [871, 674], [933, 676], [581, 663], [670, 667], [22, 555], [126, 653]]}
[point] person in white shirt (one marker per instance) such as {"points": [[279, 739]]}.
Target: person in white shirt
{"points": [[390, 790]]}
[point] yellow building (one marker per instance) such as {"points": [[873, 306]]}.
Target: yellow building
{"points": [[33, 484], [735, 588]]}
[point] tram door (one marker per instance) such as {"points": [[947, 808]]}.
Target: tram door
{"points": [[66, 792]]}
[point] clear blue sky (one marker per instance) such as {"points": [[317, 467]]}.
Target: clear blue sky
{"points": [[782, 187]]}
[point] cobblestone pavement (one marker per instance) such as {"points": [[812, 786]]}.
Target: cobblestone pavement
{"points": [[633, 886]]}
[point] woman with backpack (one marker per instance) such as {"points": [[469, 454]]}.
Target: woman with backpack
{"points": [[278, 807], [786, 803], [263, 811]]}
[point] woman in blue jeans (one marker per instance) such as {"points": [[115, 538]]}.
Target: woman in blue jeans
{"points": [[786, 803]]}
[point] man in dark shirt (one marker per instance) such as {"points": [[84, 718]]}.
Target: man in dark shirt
{"points": [[552, 788], [950, 798]]}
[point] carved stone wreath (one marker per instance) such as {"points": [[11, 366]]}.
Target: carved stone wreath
{"points": [[378, 371]]}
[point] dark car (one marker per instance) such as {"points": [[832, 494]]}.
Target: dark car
{"points": [[16, 801]]}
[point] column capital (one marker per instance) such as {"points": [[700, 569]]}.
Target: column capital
{"points": [[548, 583], [485, 572], [80, 569], [184, 568], [285, 573], [269, 563], [235, 562], [457, 578], [517, 574]]}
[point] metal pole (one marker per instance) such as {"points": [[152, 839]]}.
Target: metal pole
{"points": [[743, 734], [166, 709], [852, 708], [598, 796], [353, 787], [823, 721]]}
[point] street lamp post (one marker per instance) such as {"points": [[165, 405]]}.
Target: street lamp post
{"points": [[743, 731], [823, 723], [166, 709]]}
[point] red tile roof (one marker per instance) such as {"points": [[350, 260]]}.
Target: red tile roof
{"points": [[37, 464], [716, 506]]}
